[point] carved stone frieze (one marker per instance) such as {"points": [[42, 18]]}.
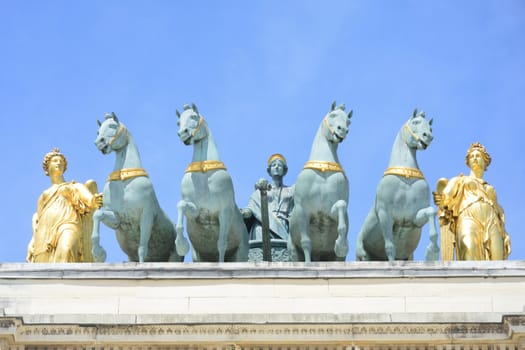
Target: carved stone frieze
{"points": [[505, 336]]}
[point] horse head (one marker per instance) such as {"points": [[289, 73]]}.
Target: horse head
{"points": [[336, 123], [190, 124], [417, 131], [111, 134]]}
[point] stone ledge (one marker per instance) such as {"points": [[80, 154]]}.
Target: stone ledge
{"points": [[264, 270], [267, 319]]}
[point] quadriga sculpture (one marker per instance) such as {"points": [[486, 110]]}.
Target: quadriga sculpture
{"points": [[130, 205], [214, 222], [319, 220], [392, 229]]}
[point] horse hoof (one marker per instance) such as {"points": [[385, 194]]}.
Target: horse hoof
{"points": [[341, 248], [99, 254], [182, 246], [142, 252]]}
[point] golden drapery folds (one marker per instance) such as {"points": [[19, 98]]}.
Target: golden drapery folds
{"points": [[471, 219], [63, 222]]}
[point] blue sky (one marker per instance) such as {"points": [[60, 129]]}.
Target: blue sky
{"points": [[263, 74]]}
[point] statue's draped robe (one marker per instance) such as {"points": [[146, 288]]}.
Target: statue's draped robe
{"points": [[476, 218], [280, 205], [63, 207]]}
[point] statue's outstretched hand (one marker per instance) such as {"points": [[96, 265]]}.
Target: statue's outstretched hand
{"points": [[246, 213], [438, 198], [438, 195], [98, 200]]}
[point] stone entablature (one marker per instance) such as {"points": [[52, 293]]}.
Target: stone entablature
{"points": [[350, 306]]}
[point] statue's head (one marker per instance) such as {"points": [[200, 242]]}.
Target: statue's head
{"points": [[111, 134], [190, 124], [477, 150], [417, 131], [336, 123], [277, 158], [48, 159]]}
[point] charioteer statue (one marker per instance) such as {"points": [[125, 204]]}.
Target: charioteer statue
{"points": [[280, 205]]}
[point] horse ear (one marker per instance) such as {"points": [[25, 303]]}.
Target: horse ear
{"points": [[194, 107], [178, 113], [99, 122], [350, 113], [114, 116], [333, 106], [414, 114], [430, 121]]}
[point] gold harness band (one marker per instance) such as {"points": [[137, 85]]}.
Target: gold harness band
{"points": [[117, 134], [327, 124], [404, 171], [205, 166], [201, 120], [126, 174], [323, 166]]}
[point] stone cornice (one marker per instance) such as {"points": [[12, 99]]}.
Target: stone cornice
{"points": [[264, 270]]}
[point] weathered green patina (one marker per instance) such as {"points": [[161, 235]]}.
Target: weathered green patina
{"points": [[319, 220], [214, 222], [130, 206], [392, 229]]}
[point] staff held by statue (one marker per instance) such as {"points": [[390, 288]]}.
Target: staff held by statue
{"points": [[263, 186]]}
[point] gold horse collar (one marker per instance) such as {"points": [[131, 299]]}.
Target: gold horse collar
{"points": [[323, 166], [205, 166], [404, 171], [126, 174]]}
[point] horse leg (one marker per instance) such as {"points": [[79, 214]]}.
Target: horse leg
{"points": [[370, 224], [110, 219], [385, 222], [190, 210], [341, 243], [195, 255], [146, 225], [241, 254], [428, 215], [291, 249], [300, 227], [225, 220]]}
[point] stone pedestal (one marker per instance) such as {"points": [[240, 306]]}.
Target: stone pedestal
{"points": [[279, 251], [320, 306]]}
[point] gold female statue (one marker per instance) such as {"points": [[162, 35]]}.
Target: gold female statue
{"points": [[62, 224], [472, 222]]}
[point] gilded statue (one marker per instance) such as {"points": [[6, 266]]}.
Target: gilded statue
{"points": [[471, 219], [62, 224], [280, 203]]}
